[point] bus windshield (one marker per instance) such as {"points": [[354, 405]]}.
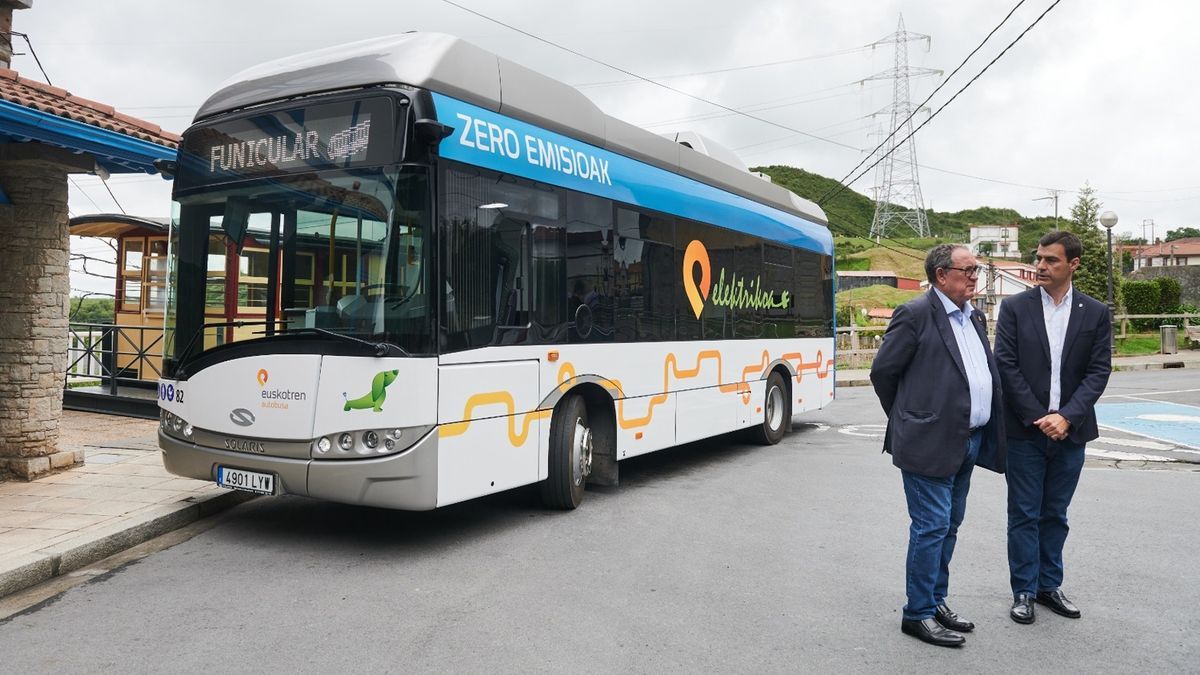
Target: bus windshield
{"points": [[339, 251]]}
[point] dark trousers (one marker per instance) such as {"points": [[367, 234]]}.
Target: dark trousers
{"points": [[936, 507], [1042, 476]]}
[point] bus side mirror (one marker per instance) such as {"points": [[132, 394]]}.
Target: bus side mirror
{"points": [[431, 131], [167, 167]]}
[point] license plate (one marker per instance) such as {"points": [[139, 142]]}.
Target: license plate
{"points": [[248, 481]]}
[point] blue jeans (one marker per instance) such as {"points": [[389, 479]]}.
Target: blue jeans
{"points": [[1042, 475], [936, 507]]}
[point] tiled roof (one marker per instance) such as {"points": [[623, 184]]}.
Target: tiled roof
{"points": [[1187, 246], [55, 101]]}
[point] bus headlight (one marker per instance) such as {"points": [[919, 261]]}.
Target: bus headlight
{"points": [[368, 443]]}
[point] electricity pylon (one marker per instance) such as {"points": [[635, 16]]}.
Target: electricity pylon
{"points": [[897, 185]]}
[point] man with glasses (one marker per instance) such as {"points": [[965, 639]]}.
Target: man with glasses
{"points": [[1052, 345], [937, 381]]}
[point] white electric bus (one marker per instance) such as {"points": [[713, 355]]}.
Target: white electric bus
{"points": [[451, 276]]}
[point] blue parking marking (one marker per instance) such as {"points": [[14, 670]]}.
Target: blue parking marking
{"points": [[1161, 420]]}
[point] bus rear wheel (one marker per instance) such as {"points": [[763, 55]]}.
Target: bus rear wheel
{"points": [[777, 409], [570, 459]]}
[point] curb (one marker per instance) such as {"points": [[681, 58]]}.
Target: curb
{"points": [[30, 569], [852, 383], [1157, 366]]}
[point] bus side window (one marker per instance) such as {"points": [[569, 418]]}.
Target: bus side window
{"points": [[644, 276], [589, 269]]}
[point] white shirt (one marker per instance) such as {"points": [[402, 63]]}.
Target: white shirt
{"points": [[1057, 317], [979, 376]]}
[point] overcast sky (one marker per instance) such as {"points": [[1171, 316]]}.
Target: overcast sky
{"points": [[1097, 91]]}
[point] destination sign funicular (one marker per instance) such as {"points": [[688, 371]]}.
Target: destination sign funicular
{"points": [[335, 135]]}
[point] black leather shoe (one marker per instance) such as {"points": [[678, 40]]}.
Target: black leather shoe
{"points": [[929, 630], [1058, 603], [946, 616], [1022, 609]]}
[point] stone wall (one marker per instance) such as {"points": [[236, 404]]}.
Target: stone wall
{"points": [[1187, 275], [34, 301]]}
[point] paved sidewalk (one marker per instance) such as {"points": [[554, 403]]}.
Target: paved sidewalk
{"points": [[119, 498]]}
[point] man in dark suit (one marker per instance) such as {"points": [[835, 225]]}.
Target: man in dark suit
{"points": [[937, 381], [1053, 348]]}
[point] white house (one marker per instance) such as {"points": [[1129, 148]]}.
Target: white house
{"points": [[999, 280], [1001, 239]]}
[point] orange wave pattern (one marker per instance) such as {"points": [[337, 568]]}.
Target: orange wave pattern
{"points": [[517, 438], [820, 367]]}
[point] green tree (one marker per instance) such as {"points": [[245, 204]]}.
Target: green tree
{"points": [[1092, 275], [1183, 233], [91, 310]]}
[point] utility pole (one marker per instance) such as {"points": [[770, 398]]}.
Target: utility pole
{"points": [[1054, 196], [898, 187]]}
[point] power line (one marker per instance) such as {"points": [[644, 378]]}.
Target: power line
{"points": [[85, 194], [913, 112], [965, 86], [757, 107], [762, 151], [645, 79], [114, 197], [32, 52], [992, 180], [813, 57]]}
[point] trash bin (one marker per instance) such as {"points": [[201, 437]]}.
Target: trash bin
{"points": [[1167, 339]]}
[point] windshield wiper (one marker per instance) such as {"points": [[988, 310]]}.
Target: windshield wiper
{"points": [[380, 348], [181, 371]]}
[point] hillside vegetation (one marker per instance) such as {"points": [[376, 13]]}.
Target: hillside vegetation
{"points": [[850, 215], [875, 296]]}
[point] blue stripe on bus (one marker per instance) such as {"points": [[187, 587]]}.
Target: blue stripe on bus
{"points": [[498, 142]]}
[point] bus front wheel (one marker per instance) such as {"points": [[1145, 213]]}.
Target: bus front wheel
{"points": [[777, 409], [570, 459]]}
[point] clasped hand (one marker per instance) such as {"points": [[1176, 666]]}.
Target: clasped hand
{"points": [[1055, 426]]}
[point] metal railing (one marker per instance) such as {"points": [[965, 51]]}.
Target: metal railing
{"points": [[857, 345], [108, 355]]}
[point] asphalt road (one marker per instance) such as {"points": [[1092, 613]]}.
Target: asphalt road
{"points": [[718, 556]]}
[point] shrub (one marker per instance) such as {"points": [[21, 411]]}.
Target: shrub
{"points": [[1169, 293], [1142, 297]]}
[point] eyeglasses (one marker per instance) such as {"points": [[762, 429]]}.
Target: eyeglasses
{"points": [[969, 271]]}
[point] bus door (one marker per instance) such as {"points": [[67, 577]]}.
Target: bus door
{"points": [[488, 388]]}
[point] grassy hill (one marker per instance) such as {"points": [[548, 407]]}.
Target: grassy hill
{"points": [[850, 215], [875, 296]]}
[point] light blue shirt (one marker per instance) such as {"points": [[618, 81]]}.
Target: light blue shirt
{"points": [[974, 357]]}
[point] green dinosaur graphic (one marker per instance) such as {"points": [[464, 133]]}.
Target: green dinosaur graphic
{"points": [[373, 400]]}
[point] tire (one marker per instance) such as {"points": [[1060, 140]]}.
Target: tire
{"points": [[777, 410], [570, 459]]}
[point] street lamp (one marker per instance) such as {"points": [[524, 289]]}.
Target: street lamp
{"points": [[1108, 219]]}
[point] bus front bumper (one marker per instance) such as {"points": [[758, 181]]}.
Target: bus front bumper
{"points": [[406, 481]]}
